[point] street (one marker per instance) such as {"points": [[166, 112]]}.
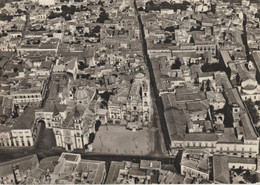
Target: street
{"points": [[158, 100]]}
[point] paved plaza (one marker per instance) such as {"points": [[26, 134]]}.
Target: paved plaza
{"points": [[119, 140]]}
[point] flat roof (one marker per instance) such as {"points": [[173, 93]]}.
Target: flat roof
{"points": [[176, 123], [95, 170], [148, 164], [201, 137], [220, 169], [249, 132], [26, 120], [226, 57], [228, 136], [113, 172], [24, 164]]}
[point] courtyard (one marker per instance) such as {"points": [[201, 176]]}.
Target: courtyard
{"points": [[118, 140]]}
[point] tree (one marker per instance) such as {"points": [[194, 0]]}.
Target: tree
{"points": [[4, 17], [96, 29], [202, 87], [91, 138], [103, 16], [3, 119], [177, 64], [140, 9], [208, 85], [252, 178], [238, 79], [212, 67], [15, 70], [252, 111], [151, 6], [97, 125], [170, 29]]}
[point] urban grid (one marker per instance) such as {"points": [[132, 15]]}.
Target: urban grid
{"points": [[129, 91]]}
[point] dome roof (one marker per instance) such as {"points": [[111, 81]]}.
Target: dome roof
{"points": [[81, 94], [139, 76]]}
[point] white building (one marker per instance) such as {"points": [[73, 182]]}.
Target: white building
{"points": [[22, 133], [73, 132], [45, 2]]}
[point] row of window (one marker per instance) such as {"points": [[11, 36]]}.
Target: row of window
{"points": [[235, 149], [27, 96], [16, 142], [205, 48], [250, 97], [191, 144]]}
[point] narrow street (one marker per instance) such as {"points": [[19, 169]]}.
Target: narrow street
{"points": [[244, 38], [158, 101], [9, 154]]}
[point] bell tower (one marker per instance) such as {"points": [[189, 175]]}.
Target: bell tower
{"points": [[78, 126], [56, 117]]}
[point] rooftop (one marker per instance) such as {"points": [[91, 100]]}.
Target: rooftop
{"points": [[196, 159], [24, 164], [152, 165], [26, 120]]}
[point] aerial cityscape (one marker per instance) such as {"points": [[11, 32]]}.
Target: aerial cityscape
{"points": [[129, 91]]}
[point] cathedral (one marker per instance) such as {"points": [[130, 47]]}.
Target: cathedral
{"points": [[73, 132]]}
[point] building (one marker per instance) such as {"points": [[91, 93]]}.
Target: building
{"points": [[195, 163], [71, 169], [22, 133], [73, 132], [168, 177], [132, 104], [45, 2], [30, 91], [139, 104], [223, 164], [16, 171], [46, 114], [126, 172], [238, 140]]}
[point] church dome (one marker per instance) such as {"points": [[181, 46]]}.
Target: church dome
{"points": [[140, 76], [81, 94]]}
